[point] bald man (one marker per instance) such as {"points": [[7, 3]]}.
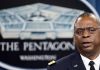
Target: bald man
{"points": [[87, 44]]}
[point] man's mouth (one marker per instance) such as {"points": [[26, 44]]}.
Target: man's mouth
{"points": [[86, 44]]}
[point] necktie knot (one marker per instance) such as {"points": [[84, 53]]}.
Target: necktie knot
{"points": [[91, 63]]}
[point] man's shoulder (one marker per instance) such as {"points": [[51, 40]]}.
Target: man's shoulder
{"points": [[61, 63], [67, 59]]}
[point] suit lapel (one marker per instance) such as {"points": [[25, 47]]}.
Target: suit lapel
{"points": [[99, 67], [77, 62]]}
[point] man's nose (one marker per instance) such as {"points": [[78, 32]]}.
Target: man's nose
{"points": [[86, 34]]}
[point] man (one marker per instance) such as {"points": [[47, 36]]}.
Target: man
{"points": [[87, 43]]}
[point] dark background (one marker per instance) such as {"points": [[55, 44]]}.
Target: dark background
{"points": [[65, 3]]}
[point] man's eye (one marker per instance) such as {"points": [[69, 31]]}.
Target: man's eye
{"points": [[79, 31], [92, 29]]}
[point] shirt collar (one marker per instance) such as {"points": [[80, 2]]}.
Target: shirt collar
{"points": [[97, 60], [86, 60]]}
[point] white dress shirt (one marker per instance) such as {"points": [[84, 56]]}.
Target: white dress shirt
{"points": [[86, 62]]}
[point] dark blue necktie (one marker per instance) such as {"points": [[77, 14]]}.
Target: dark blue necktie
{"points": [[91, 63]]}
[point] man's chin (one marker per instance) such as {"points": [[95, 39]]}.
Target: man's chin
{"points": [[88, 49]]}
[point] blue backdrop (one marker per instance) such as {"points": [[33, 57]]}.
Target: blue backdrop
{"points": [[96, 4]]}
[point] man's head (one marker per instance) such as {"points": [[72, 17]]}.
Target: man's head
{"points": [[87, 34]]}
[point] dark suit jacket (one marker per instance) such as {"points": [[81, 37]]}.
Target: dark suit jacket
{"points": [[2, 68], [70, 62]]}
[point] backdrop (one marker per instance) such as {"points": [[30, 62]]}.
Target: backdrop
{"points": [[34, 32]]}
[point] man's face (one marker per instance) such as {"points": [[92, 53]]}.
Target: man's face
{"points": [[86, 35]]}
